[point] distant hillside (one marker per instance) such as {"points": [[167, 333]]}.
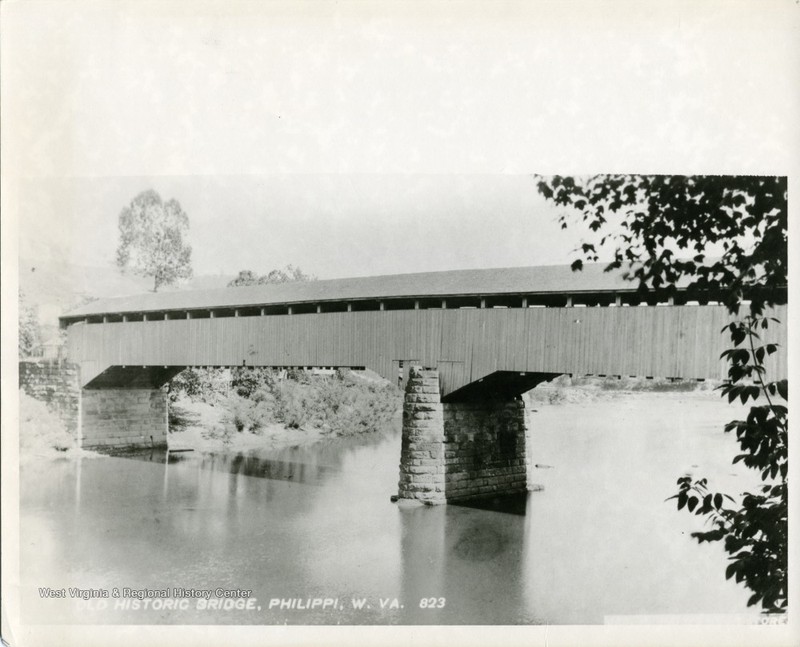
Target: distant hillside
{"points": [[57, 287]]}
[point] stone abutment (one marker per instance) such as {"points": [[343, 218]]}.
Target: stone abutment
{"points": [[98, 418], [124, 417]]}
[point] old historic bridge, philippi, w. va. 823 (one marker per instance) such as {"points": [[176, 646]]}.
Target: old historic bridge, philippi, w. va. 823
{"points": [[465, 345]]}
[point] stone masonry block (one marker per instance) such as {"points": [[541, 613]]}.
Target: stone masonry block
{"points": [[426, 406], [431, 389], [426, 398]]}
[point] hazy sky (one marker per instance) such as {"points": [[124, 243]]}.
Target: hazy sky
{"points": [[330, 225], [356, 138]]}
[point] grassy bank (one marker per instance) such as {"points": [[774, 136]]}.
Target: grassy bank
{"points": [[261, 409]]}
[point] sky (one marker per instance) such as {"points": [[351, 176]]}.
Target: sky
{"points": [[330, 225], [355, 138]]}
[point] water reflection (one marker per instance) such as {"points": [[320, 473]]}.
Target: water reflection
{"points": [[516, 503], [452, 560], [317, 522], [315, 465]]}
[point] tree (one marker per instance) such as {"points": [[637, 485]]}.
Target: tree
{"points": [[247, 381], [288, 274], [153, 239], [30, 334], [246, 277], [725, 236]]}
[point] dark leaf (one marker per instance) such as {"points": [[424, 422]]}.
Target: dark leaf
{"points": [[753, 599], [730, 570]]}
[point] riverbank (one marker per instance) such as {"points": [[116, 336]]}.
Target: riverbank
{"points": [[566, 390], [319, 411], [42, 436], [206, 427]]}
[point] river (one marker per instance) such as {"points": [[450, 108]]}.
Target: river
{"points": [[314, 527]]}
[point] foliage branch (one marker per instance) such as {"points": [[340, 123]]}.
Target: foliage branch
{"points": [[725, 238], [288, 274]]}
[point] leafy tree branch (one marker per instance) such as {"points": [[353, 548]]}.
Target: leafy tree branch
{"points": [[726, 237]]}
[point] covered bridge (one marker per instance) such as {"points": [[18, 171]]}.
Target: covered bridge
{"points": [[478, 339]]}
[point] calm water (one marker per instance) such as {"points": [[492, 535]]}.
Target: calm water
{"points": [[297, 524]]}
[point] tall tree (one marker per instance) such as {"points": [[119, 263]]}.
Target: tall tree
{"points": [[728, 236], [152, 239]]}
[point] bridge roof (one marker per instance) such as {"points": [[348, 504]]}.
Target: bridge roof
{"points": [[550, 279]]}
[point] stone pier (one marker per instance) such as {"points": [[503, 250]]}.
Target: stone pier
{"points": [[457, 451], [422, 462]]}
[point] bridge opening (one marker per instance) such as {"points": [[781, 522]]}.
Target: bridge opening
{"points": [[513, 301], [335, 306], [463, 302], [364, 305], [274, 310], [398, 304], [304, 308], [545, 300], [219, 313], [431, 304], [593, 300]]}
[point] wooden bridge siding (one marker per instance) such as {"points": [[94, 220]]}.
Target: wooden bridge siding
{"points": [[667, 341]]}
